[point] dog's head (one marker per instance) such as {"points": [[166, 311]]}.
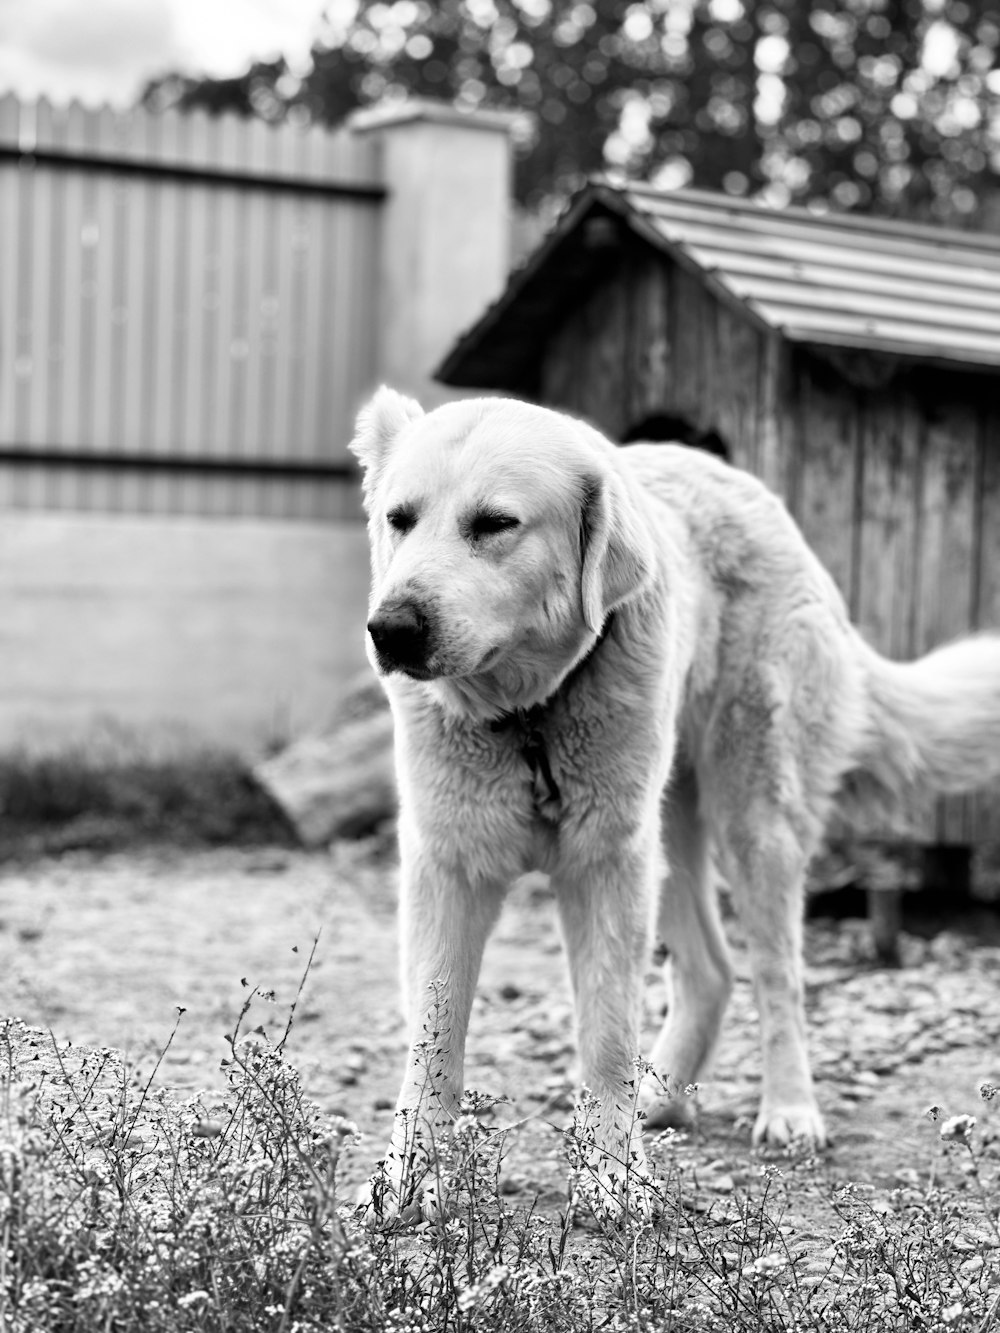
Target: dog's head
{"points": [[502, 537]]}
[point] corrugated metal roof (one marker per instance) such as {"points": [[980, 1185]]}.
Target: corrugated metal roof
{"points": [[822, 279], [841, 281]]}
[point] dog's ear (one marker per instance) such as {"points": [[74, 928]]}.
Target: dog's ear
{"points": [[618, 552], [378, 425]]}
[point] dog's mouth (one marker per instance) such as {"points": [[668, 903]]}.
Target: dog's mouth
{"points": [[435, 669], [417, 672], [388, 666]]}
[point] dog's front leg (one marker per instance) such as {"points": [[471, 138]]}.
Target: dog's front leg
{"points": [[444, 923], [605, 908]]}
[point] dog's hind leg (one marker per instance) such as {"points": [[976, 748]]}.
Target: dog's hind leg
{"points": [[765, 859], [699, 973]]}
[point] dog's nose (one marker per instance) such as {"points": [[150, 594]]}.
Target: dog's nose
{"points": [[400, 635]]}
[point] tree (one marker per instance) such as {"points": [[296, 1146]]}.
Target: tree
{"points": [[883, 105]]}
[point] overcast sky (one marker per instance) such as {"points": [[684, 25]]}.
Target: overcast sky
{"points": [[104, 50]]}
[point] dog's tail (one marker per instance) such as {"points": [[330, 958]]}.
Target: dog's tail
{"points": [[930, 727]]}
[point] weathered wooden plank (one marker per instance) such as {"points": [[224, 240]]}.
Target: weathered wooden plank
{"points": [[739, 348], [891, 440], [560, 374], [774, 433], [602, 367], [986, 612], [948, 524], [981, 813], [826, 427], [647, 371], [946, 573], [687, 302]]}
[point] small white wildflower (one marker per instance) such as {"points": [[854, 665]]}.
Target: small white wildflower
{"points": [[765, 1264], [933, 1113], [958, 1129], [477, 1293], [952, 1312], [465, 1126], [988, 1090]]}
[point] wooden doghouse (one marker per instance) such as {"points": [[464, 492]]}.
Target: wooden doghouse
{"points": [[853, 365]]}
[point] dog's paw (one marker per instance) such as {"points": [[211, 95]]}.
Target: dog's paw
{"points": [[382, 1202], [615, 1198], [616, 1192], [790, 1124]]}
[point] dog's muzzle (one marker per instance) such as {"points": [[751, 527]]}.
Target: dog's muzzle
{"points": [[401, 634]]}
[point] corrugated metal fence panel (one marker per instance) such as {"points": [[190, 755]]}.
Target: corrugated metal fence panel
{"points": [[225, 311], [122, 488]]}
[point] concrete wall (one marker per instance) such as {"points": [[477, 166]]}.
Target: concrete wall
{"points": [[240, 632]]}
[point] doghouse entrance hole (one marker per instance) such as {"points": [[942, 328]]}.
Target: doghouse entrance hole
{"points": [[665, 427]]}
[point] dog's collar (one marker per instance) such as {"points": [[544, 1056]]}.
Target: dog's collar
{"points": [[527, 723]]}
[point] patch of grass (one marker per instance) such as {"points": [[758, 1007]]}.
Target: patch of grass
{"points": [[123, 1209], [114, 794]]}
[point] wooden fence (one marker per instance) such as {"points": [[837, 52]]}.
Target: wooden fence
{"points": [[187, 313]]}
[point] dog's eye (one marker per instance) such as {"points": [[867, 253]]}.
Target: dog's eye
{"points": [[401, 520], [487, 524]]}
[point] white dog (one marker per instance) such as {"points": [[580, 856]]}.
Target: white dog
{"points": [[593, 653]]}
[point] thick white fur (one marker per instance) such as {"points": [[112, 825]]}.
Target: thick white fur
{"points": [[729, 706]]}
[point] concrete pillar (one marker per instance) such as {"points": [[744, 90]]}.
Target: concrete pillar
{"points": [[445, 232]]}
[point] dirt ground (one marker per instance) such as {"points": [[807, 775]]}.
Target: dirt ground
{"points": [[101, 950]]}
